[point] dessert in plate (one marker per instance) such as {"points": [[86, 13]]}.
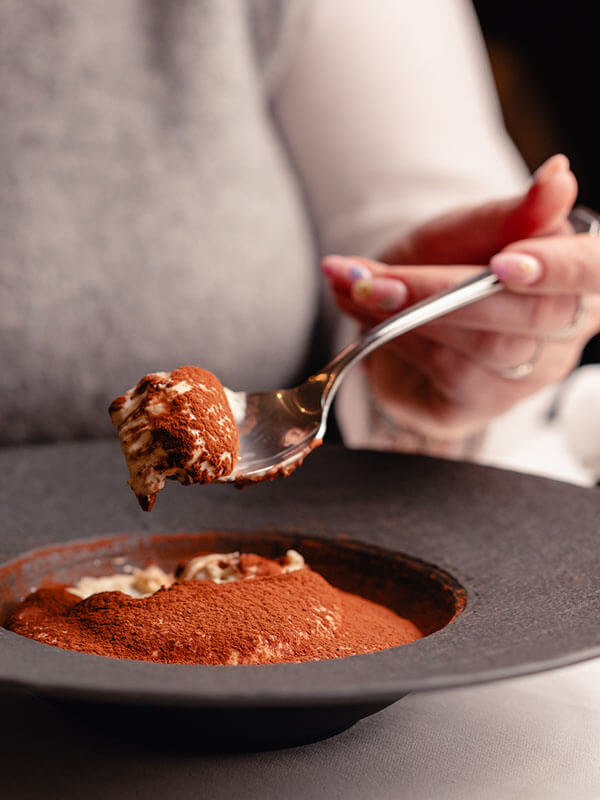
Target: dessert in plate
{"points": [[217, 608]]}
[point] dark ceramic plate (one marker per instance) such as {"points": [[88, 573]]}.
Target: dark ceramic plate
{"points": [[523, 549]]}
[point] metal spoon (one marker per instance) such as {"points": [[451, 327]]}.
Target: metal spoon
{"points": [[278, 429]]}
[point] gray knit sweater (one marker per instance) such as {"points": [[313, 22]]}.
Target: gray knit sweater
{"points": [[149, 214]]}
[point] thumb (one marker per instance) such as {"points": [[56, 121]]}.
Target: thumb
{"points": [[472, 235]]}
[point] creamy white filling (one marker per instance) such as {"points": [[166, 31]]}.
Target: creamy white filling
{"points": [[237, 404], [134, 582], [133, 421], [216, 567], [223, 567]]}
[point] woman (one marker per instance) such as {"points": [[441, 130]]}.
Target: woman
{"points": [[171, 174], [173, 171]]}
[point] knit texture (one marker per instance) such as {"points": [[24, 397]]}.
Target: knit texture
{"points": [[149, 213]]}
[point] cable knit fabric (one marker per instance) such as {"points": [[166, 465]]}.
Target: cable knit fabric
{"points": [[140, 168]]}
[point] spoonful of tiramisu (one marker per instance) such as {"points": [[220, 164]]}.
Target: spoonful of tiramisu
{"points": [[186, 426]]}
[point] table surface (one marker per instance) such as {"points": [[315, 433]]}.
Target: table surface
{"points": [[528, 738]]}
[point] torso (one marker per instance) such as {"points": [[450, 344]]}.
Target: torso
{"points": [[149, 215]]}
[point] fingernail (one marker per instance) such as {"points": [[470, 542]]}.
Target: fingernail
{"points": [[550, 167], [379, 294], [344, 271], [518, 268]]}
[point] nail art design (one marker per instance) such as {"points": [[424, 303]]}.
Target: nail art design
{"points": [[344, 270], [380, 294], [518, 268], [362, 289]]}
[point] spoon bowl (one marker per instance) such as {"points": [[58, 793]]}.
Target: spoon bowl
{"points": [[278, 429]]}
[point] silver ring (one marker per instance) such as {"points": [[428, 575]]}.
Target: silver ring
{"points": [[574, 325], [524, 369]]}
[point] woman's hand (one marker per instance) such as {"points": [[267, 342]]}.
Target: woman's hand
{"points": [[446, 380]]}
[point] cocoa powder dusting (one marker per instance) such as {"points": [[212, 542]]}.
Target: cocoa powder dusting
{"points": [[193, 411], [273, 618], [175, 425]]}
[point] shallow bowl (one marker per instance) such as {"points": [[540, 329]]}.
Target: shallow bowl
{"points": [[522, 550]]}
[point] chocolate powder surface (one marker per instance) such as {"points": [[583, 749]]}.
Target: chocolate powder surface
{"points": [[273, 618]]}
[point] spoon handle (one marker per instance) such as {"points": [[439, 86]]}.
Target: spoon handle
{"points": [[482, 285]]}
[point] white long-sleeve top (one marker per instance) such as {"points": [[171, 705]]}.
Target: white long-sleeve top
{"points": [[391, 117]]}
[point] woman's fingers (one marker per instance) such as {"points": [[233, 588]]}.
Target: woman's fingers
{"points": [[473, 235], [503, 353], [388, 290], [559, 264], [459, 393], [449, 378], [489, 349], [437, 391]]}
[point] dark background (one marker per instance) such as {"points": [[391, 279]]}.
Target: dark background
{"points": [[545, 62]]}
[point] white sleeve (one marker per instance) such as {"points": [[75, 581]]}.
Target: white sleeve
{"points": [[390, 115]]}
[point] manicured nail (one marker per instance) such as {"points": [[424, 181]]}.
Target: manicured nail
{"points": [[379, 294], [344, 271], [550, 167], [518, 268]]}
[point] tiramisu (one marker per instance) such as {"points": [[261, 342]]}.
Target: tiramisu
{"points": [[175, 425], [218, 608]]}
